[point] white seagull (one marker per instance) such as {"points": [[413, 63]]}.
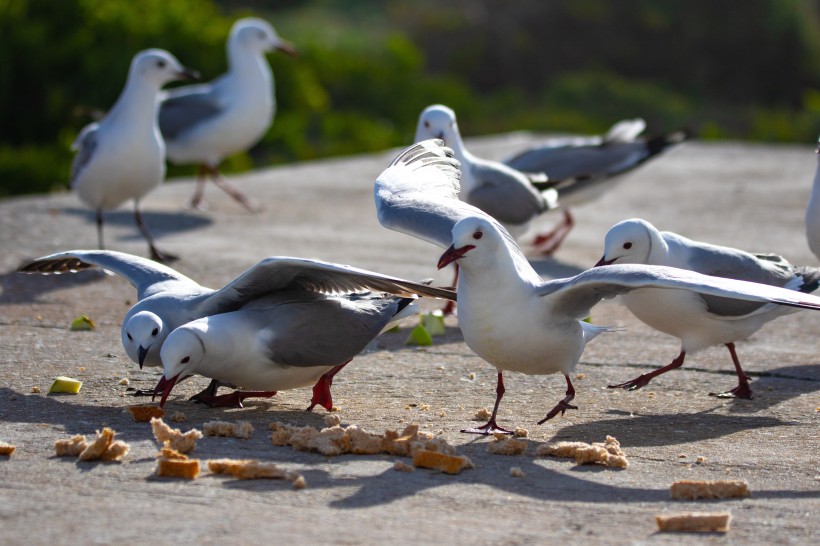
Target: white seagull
{"points": [[700, 320], [122, 156], [813, 211], [167, 299], [591, 165], [205, 123], [508, 315], [294, 338]]}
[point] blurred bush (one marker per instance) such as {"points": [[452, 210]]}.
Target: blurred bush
{"points": [[366, 69]]}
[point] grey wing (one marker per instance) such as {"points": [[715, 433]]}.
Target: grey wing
{"points": [[326, 332], [564, 162], [280, 273], [181, 111], [84, 145], [505, 195], [575, 296], [147, 276], [418, 195]]}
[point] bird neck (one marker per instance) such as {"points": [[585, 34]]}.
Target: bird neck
{"points": [[249, 66], [138, 104]]}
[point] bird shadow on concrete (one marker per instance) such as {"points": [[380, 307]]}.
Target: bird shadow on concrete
{"points": [[29, 288], [636, 430], [777, 385], [158, 223]]}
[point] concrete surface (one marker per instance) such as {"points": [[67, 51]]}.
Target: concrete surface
{"points": [[749, 196]]}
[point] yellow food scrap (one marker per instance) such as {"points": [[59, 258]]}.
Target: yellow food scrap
{"points": [[82, 323], [66, 384]]}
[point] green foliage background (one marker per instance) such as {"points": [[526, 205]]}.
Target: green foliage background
{"points": [[722, 68]]}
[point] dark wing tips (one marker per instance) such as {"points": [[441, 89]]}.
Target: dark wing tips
{"points": [[429, 152], [61, 265]]}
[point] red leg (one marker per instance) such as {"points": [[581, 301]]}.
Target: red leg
{"points": [[743, 390], [644, 379], [238, 195], [491, 427], [450, 308], [156, 255], [321, 390], [547, 243], [234, 399], [198, 200], [563, 405]]}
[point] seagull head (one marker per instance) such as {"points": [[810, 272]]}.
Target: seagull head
{"points": [[159, 67], [181, 353], [257, 35], [437, 121], [142, 336], [474, 241], [627, 242]]}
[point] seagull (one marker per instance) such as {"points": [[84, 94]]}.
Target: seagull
{"points": [[813, 211], [293, 338], [700, 320], [168, 299], [591, 165], [205, 123], [122, 156], [508, 315]]}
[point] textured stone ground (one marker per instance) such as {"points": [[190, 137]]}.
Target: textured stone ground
{"points": [[749, 196]]}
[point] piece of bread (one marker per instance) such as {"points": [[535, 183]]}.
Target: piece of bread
{"points": [[608, 453], [248, 469], [6, 449], [449, 464], [95, 449], [143, 413], [173, 437], [694, 522], [403, 467], [716, 489], [482, 414], [71, 447], [242, 429], [116, 451], [516, 472], [176, 468], [505, 445]]}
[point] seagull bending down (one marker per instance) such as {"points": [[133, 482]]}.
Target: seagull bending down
{"points": [[122, 157], [205, 123], [508, 315], [168, 299], [700, 320]]}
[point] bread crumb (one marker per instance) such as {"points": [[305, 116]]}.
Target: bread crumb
{"points": [[143, 413], [701, 460], [173, 464], [521, 433], [249, 469], [516, 472], [449, 464], [715, 489], [173, 437], [332, 420], [424, 407], [242, 429], [581, 376], [116, 451], [71, 447], [95, 449], [177, 417], [682, 455], [299, 482], [694, 522], [335, 408], [505, 445], [482, 415], [35, 390], [124, 381], [608, 453], [403, 467], [6, 449]]}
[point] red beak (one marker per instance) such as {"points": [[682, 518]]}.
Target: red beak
{"points": [[603, 261], [452, 254], [165, 386]]}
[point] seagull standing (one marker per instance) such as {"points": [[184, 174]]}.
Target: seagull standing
{"points": [[700, 320], [168, 299], [205, 123], [590, 165], [813, 211], [122, 156], [508, 315], [292, 339]]}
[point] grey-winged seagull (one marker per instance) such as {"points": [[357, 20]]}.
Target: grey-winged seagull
{"points": [[167, 299], [122, 157], [700, 320], [510, 316], [294, 338], [203, 124], [813, 211], [589, 166]]}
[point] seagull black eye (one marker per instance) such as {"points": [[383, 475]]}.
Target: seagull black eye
{"points": [[161, 63], [627, 246], [155, 331], [478, 235], [185, 360], [427, 124], [129, 336]]}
